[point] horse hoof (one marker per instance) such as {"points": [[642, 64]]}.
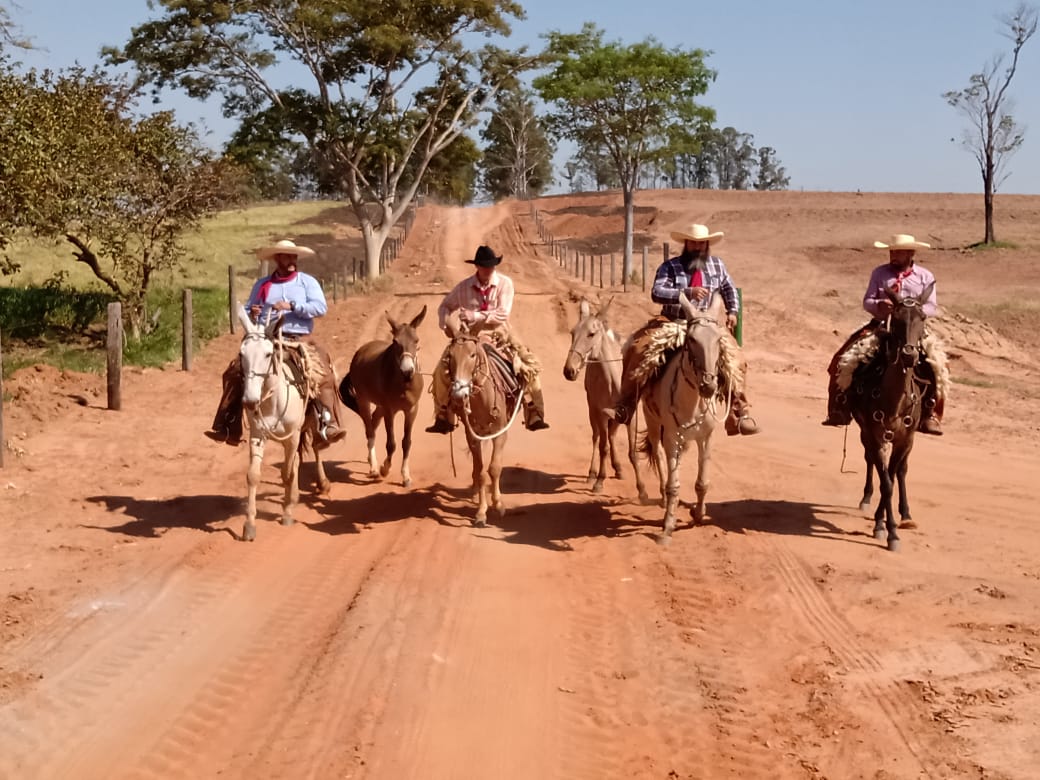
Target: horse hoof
{"points": [[906, 522], [248, 534], [407, 483], [664, 539], [893, 545], [598, 487], [880, 533], [287, 521], [864, 506], [479, 522]]}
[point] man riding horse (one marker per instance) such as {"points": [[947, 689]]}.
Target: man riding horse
{"points": [[905, 279], [699, 274], [484, 302]]}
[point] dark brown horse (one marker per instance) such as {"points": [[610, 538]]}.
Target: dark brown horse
{"points": [[483, 400], [383, 380], [885, 401]]}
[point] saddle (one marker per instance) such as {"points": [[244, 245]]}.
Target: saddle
{"points": [[502, 373]]}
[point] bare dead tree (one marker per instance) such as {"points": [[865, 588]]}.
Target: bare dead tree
{"points": [[993, 135]]}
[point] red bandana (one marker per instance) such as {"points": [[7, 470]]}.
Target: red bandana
{"points": [[898, 283], [274, 278], [485, 297]]}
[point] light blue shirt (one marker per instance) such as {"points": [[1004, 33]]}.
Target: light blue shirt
{"points": [[303, 292]]}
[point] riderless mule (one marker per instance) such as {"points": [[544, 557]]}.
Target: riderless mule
{"points": [[595, 348], [486, 397], [384, 379], [680, 405], [885, 401], [274, 401]]}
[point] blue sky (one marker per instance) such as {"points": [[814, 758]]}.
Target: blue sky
{"points": [[847, 92]]}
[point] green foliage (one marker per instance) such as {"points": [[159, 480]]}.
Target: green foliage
{"points": [[371, 132], [517, 159], [54, 310], [452, 175]]}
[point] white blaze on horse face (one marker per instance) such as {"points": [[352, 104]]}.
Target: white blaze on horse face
{"points": [[407, 365], [256, 354], [461, 389]]}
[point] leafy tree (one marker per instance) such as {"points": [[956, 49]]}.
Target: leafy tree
{"points": [[79, 164], [518, 156], [369, 124], [771, 174], [452, 175], [993, 135], [734, 159], [630, 101], [9, 31]]}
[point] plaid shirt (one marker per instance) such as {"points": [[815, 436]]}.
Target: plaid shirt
{"points": [[672, 277]]}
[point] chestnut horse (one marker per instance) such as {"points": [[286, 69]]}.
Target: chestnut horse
{"points": [[481, 397], [384, 379], [885, 401], [680, 406], [595, 347], [275, 406]]}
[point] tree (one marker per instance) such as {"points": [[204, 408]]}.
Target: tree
{"points": [[626, 100], [734, 158], [9, 31], [78, 163], [452, 174], [771, 174], [365, 117], [518, 156], [993, 135]]}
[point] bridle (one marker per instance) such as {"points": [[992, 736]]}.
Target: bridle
{"points": [[275, 362]]}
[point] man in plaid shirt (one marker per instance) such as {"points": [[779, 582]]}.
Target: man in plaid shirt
{"points": [[699, 273]]}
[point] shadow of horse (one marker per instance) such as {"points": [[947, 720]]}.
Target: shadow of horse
{"points": [[783, 518], [153, 517]]}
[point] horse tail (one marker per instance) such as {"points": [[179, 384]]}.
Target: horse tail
{"points": [[647, 449], [347, 396]]}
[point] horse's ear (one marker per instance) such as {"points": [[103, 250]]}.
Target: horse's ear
{"points": [[393, 323], [418, 318], [689, 308], [717, 307], [274, 328], [247, 324], [926, 293], [453, 324], [583, 308], [604, 310]]}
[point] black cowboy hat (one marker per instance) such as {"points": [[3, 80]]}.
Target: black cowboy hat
{"points": [[485, 257]]}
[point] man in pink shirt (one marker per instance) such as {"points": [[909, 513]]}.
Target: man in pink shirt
{"points": [[905, 279], [484, 302]]}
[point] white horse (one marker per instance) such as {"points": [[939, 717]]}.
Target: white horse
{"points": [[275, 407], [680, 406]]}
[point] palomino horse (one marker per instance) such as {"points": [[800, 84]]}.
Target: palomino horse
{"points": [[595, 348], [275, 408], [487, 406], [885, 401], [679, 404], [383, 380]]}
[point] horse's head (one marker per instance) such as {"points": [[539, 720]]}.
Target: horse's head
{"points": [[257, 357], [586, 338], [405, 346], [703, 343], [462, 365], [906, 326]]}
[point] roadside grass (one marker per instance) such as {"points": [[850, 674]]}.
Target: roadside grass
{"points": [[54, 311]]}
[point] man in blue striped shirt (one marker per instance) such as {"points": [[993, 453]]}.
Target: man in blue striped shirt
{"points": [[700, 274]]}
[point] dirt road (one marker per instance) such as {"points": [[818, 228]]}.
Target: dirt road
{"points": [[384, 637]]}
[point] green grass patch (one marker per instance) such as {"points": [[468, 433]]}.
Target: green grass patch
{"points": [[982, 246]]}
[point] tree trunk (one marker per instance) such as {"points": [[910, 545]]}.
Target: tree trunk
{"points": [[626, 262], [988, 197]]}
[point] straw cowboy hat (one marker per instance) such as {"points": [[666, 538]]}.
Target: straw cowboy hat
{"points": [[697, 233], [902, 241], [485, 257], [283, 247]]}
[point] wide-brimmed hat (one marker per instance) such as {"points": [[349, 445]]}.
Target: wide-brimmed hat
{"points": [[283, 247], [902, 241], [697, 233], [485, 257]]}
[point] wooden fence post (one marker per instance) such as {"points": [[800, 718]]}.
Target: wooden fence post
{"points": [[613, 279], [601, 269], [186, 332], [232, 314], [646, 252], [115, 356]]}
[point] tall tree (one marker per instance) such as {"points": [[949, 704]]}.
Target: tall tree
{"points": [[771, 174], [517, 159], [628, 100], [452, 175], [734, 157], [364, 115], [993, 135], [80, 163]]}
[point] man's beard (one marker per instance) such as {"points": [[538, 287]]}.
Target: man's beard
{"points": [[694, 261]]}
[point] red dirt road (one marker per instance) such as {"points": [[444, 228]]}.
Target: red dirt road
{"points": [[384, 637]]}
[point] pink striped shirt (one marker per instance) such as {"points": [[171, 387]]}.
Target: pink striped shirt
{"points": [[491, 305], [884, 276]]}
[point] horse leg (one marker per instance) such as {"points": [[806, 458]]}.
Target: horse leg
{"points": [[602, 444], [868, 488], [476, 450], [615, 462], [391, 444], [370, 417], [630, 429], [887, 528], [307, 442], [905, 520], [670, 488], [595, 444], [406, 443], [291, 478], [495, 473], [256, 459], [700, 513]]}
